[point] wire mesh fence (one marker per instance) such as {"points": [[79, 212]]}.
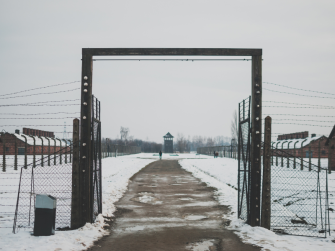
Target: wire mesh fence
{"points": [[299, 196], [244, 160], [96, 158], [40, 178], [20, 150]]}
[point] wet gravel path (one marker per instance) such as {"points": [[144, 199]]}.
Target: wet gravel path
{"points": [[166, 208]]}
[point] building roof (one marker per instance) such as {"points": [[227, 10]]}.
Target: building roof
{"points": [[38, 141], [168, 135], [297, 142]]}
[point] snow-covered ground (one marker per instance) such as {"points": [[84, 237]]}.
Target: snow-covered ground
{"points": [[116, 173], [221, 173]]}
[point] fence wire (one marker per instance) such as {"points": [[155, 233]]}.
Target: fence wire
{"points": [[40, 178], [299, 196]]}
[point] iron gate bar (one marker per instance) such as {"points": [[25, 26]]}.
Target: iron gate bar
{"points": [[86, 103]]}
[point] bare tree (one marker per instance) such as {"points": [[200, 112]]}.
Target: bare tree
{"points": [[124, 131], [234, 126], [210, 142]]}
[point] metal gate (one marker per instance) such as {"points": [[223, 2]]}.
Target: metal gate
{"points": [[244, 140], [96, 193]]}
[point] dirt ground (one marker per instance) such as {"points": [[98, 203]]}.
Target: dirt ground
{"points": [[166, 208]]}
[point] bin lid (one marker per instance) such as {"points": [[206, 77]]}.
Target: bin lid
{"points": [[45, 201]]}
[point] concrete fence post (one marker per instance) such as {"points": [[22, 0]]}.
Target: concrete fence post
{"points": [[302, 155], [330, 155], [65, 151], [42, 151], [54, 151], [71, 150], [48, 150], [310, 158], [15, 152], [319, 156], [25, 151], [266, 188], [3, 136], [34, 150], [60, 151]]}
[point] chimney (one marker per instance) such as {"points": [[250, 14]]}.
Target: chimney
{"points": [[17, 131], [313, 135]]}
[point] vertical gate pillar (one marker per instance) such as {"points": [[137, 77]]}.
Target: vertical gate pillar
{"points": [[85, 137], [256, 138]]}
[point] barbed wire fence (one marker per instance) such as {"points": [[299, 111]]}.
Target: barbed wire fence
{"points": [[302, 168], [27, 150]]}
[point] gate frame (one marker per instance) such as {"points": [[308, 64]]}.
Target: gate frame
{"points": [[256, 112]]}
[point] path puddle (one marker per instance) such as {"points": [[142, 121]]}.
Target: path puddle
{"points": [[206, 245], [147, 198]]}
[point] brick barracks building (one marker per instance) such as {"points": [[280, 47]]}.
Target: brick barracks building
{"points": [[301, 145], [16, 143]]}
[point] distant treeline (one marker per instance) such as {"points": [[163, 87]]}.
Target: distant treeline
{"points": [[183, 144], [180, 143], [146, 146]]}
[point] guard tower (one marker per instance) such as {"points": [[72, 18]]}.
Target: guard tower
{"points": [[168, 143]]}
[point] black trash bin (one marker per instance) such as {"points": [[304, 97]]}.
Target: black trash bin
{"points": [[45, 215]]}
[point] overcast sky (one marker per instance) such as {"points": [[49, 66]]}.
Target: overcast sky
{"points": [[41, 42]]}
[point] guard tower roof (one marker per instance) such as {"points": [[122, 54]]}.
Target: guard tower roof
{"points": [[168, 135]]}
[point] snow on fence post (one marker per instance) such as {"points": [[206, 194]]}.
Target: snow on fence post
{"points": [[266, 188], [76, 215]]}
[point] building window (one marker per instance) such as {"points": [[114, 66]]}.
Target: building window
{"points": [[323, 152], [309, 153], [21, 151], [7, 149]]}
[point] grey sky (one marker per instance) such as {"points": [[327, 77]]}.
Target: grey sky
{"points": [[41, 41]]}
